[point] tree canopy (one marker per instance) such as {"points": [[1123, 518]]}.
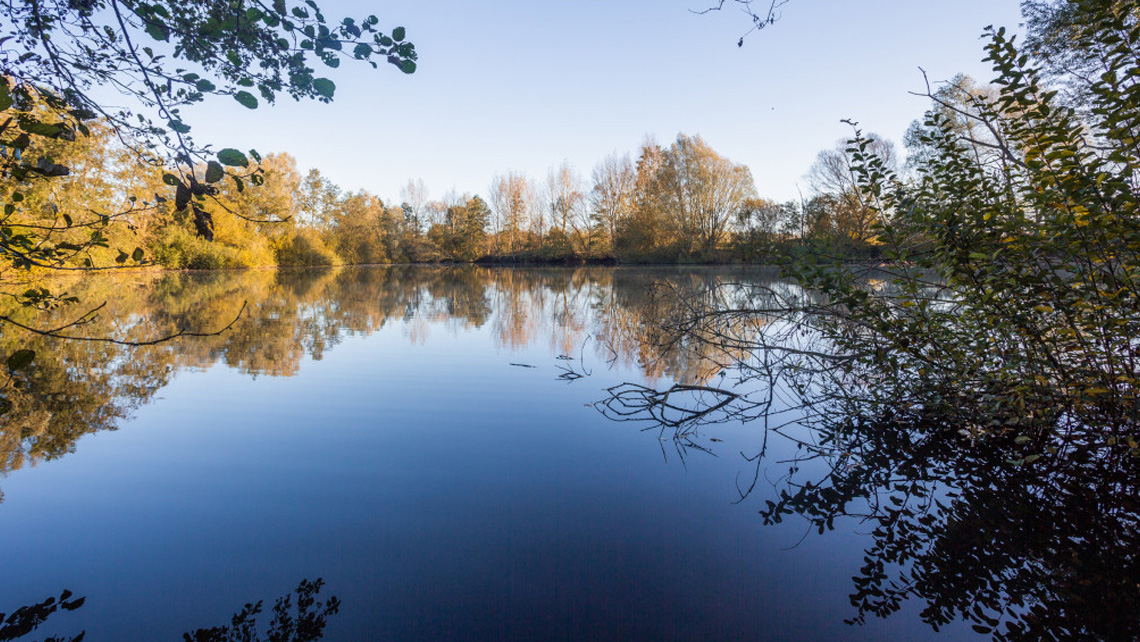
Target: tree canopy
{"points": [[130, 68]]}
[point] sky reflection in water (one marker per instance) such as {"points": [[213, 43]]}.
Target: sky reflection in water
{"points": [[376, 428]]}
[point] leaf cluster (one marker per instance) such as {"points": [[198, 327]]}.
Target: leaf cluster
{"points": [[63, 61]]}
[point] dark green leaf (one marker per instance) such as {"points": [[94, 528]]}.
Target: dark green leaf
{"points": [[157, 31], [233, 158], [181, 197], [47, 130], [20, 359], [247, 99], [214, 172], [398, 34], [324, 87], [6, 100]]}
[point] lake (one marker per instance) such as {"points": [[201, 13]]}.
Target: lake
{"points": [[432, 442]]}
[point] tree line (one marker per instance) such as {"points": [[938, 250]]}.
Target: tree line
{"points": [[679, 203]]}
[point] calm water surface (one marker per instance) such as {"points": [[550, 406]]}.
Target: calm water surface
{"points": [[423, 439]]}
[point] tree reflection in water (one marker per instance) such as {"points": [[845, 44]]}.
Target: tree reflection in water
{"points": [[1028, 550], [74, 388], [298, 616], [28, 618], [1027, 534]]}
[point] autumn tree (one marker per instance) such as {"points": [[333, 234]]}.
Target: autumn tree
{"points": [[643, 234], [612, 197], [58, 58], [462, 234], [566, 201], [512, 200], [435, 210], [700, 192], [80, 217], [275, 199], [415, 196], [316, 198], [360, 229], [760, 224], [954, 101]]}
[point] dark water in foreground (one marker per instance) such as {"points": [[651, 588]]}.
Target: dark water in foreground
{"points": [[424, 440]]}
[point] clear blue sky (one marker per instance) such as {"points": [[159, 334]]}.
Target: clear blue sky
{"points": [[520, 85]]}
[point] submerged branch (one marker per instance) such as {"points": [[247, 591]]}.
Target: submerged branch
{"points": [[88, 316]]}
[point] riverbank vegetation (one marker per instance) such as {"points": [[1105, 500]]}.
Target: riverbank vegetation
{"points": [[680, 203], [975, 403], [87, 187]]}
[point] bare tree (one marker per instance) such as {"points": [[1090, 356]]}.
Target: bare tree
{"points": [[512, 199], [434, 213], [415, 196], [565, 197], [954, 104], [612, 198]]}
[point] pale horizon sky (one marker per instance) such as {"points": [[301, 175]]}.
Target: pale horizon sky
{"points": [[509, 85]]}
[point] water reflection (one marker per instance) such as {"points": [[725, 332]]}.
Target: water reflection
{"points": [[75, 388], [27, 619], [1025, 535], [1020, 548], [1036, 550], [298, 616]]}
